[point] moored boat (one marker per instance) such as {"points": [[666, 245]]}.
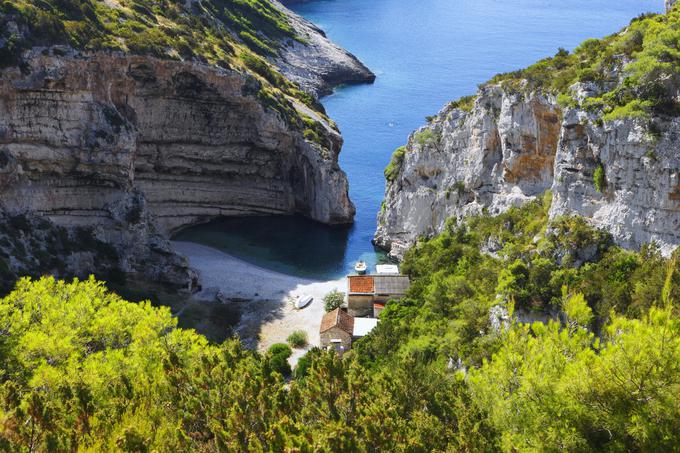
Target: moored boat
{"points": [[360, 267]]}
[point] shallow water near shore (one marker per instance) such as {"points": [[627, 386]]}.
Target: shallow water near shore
{"points": [[425, 53]]}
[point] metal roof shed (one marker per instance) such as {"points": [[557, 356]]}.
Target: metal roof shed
{"points": [[363, 326], [391, 285], [387, 269]]}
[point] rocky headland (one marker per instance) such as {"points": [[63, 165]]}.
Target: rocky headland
{"points": [[597, 128]]}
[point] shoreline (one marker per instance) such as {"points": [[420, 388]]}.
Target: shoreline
{"points": [[263, 297]]}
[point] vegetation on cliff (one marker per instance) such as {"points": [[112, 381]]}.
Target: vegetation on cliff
{"points": [[211, 31], [635, 71], [232, 34], [448, 367]]}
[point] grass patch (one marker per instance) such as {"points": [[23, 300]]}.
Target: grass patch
{"points": [[297, 339]]}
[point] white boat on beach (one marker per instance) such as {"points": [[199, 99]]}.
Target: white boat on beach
{"points": [[360, 267], [303, 301]]}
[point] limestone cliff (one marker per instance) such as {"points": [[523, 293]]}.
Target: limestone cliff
{"points": [[316, 63], [105, 153], [499, 154], [618, 166]]}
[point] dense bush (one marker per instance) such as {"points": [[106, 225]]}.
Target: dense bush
{"points": [[297, 339], [81, 369], [278, 355], [394, 167], [599, 179], [333, 300]]}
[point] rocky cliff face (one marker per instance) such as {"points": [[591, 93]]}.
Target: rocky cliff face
{"points": [[115, 142], [512, 147], [316, 63], [105, 153]]}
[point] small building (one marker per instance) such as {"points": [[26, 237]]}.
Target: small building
{"points": [[363, 326], [387, 269], [389, 287], [364, 291], [337, 329], [360, 295]]}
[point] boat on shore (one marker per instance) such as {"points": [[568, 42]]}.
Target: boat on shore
{"points": [[360, 267], [302, 301]]}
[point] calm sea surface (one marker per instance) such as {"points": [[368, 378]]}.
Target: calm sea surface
{"points": [[425, 54]]}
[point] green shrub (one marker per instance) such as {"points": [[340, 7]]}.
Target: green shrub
{"points": [[297, 339], [302, 367], [280, 364], [600, 179], [281, 349], [466, 103], [333, 300], [394, 167], [278, 355], [427, 137]]}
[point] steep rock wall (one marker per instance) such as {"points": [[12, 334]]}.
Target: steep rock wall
{"points": [[112, 141], [512, 147]]}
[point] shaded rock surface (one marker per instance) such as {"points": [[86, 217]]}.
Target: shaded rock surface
{"points": [[512, 147], [134, 148]]}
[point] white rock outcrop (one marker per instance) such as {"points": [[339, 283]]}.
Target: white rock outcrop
{"points": [[512, 147], [314, 62]]}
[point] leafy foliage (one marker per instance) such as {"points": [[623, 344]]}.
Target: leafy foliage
{"points": [[599, 179], [83, 369], [278, 355], [394, 167], [466, 103], [333, 300], [646, 52], [553, 389]]}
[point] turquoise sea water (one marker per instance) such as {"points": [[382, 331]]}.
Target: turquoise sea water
{"points": [[425, 54]]}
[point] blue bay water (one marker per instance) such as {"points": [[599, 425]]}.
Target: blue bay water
{"points": [[425, 53]]}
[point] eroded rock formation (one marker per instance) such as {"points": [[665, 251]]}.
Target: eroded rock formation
{"points": [[512, 147], [134, 148]]}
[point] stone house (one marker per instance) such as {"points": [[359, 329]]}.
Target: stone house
{"points": [[360, 295], [337, 329], [367, 294]]}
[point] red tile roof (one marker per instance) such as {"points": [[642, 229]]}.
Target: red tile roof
{"points": [[337, 318], [360, 284]]}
